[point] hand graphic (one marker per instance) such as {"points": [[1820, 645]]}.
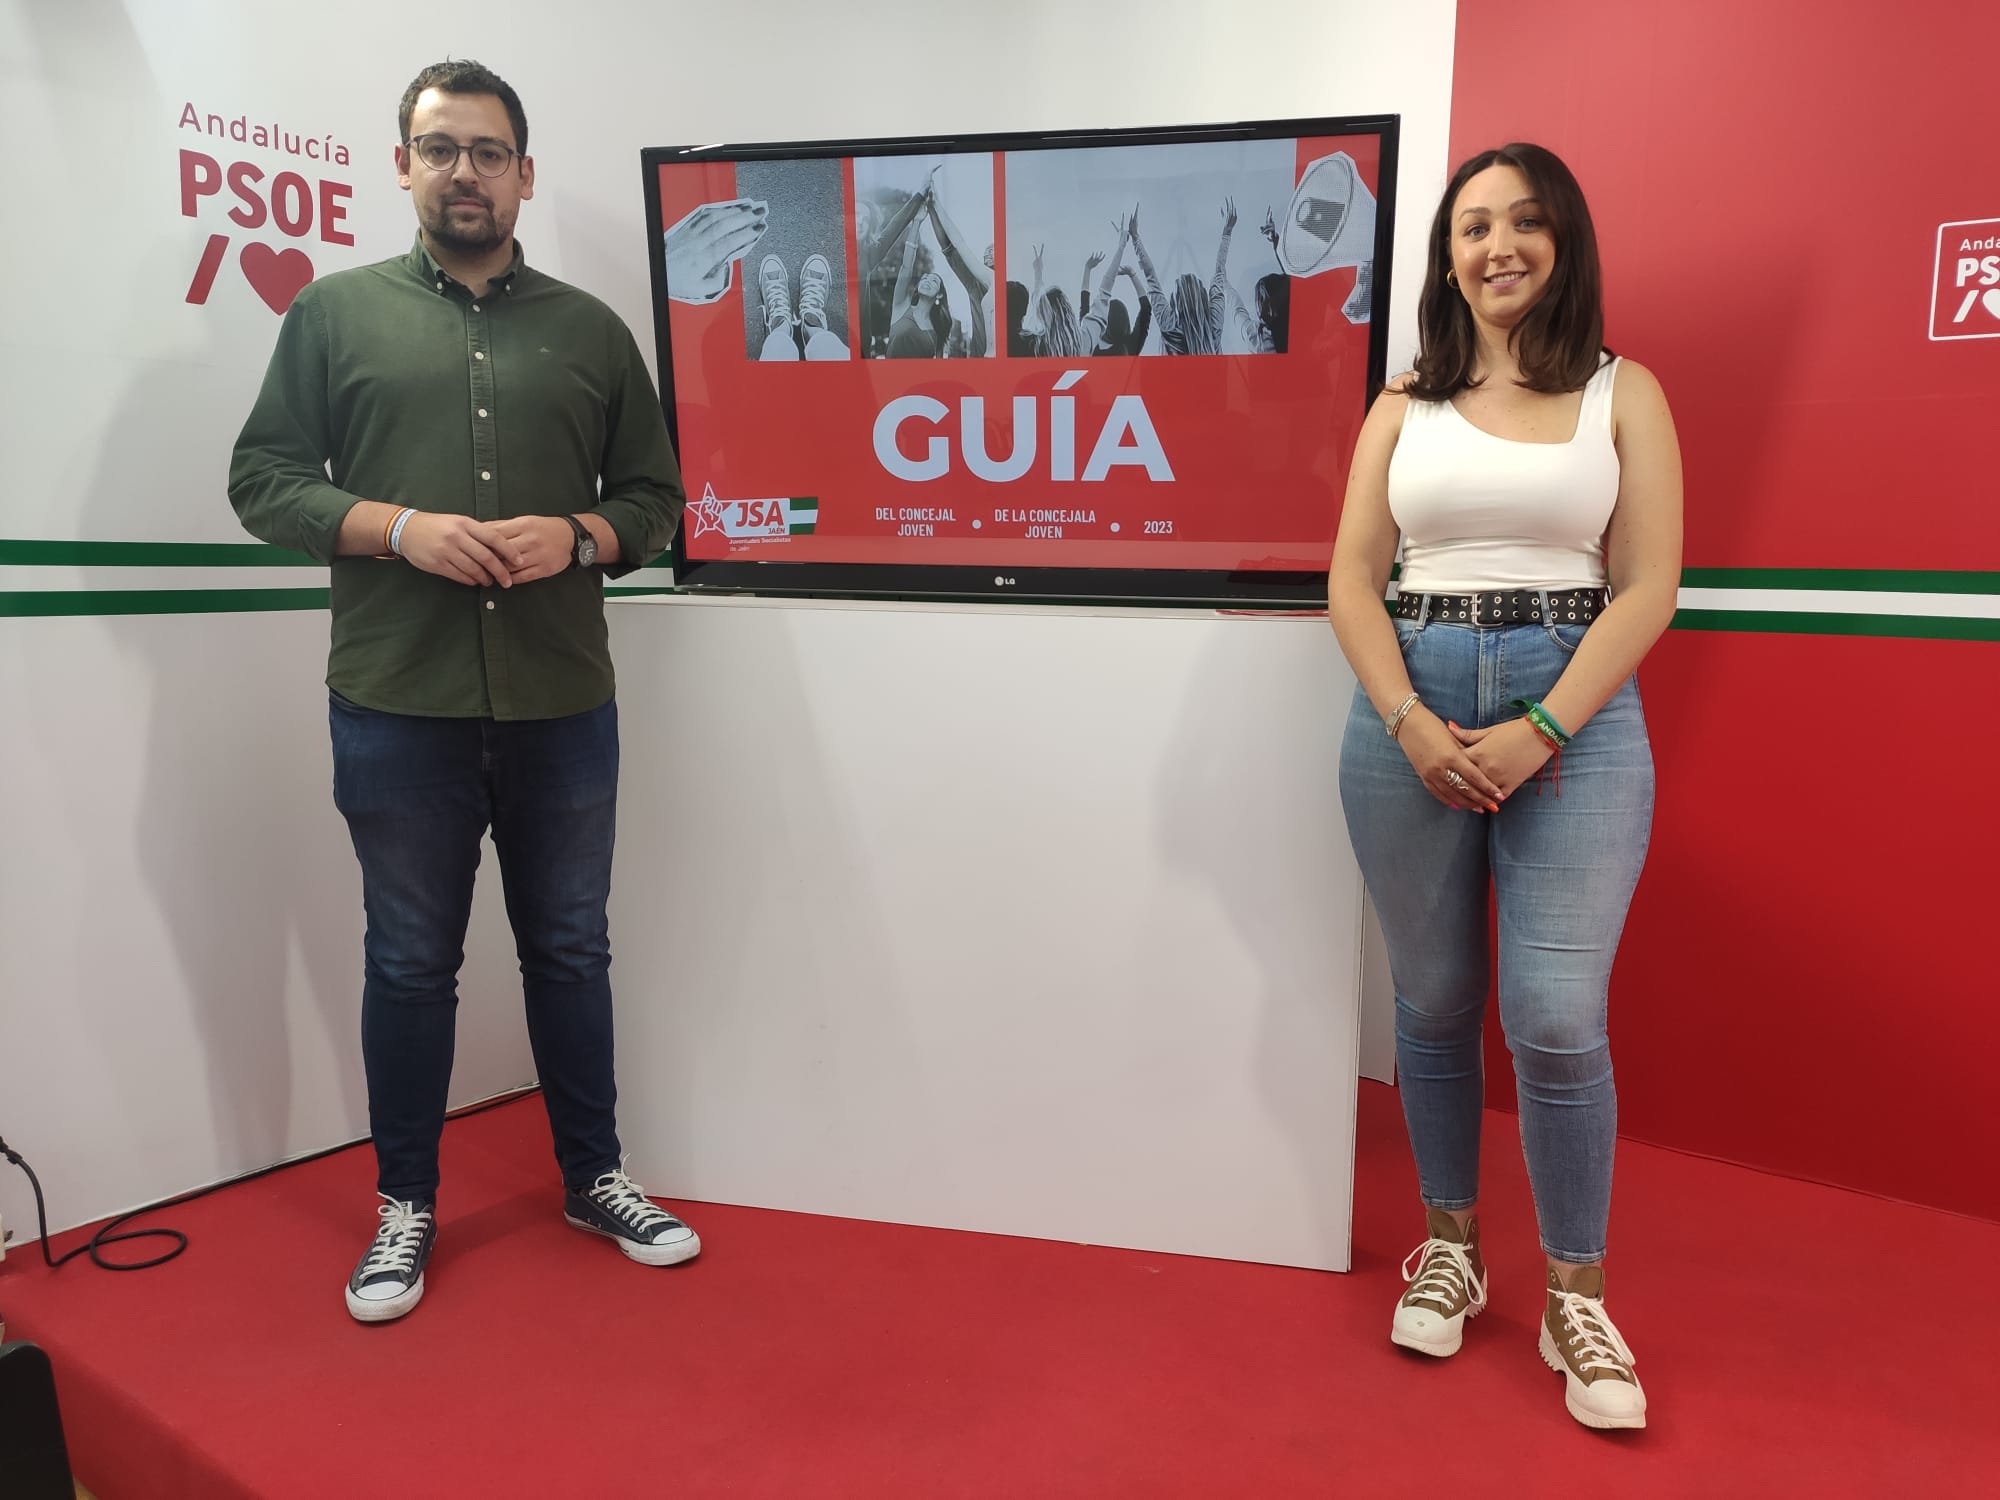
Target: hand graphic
{"points": [[703, 247]]}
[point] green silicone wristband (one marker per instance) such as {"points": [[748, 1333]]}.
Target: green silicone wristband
{"points": [[1543, 721]]}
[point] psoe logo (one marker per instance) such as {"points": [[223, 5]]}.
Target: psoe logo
{"points": [[1965, 288], [291, 202], [752, 520]]}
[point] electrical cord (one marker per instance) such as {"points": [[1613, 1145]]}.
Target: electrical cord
{"points": [[93, 1247]]}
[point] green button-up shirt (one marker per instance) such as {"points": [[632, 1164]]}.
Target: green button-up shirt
{"points": [[393, 382]]}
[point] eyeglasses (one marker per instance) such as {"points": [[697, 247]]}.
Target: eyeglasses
{"points": [[441, 153]]}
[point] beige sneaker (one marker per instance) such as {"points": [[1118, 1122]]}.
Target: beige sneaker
{"points": [[1580, 1344], [1447, 1285]]}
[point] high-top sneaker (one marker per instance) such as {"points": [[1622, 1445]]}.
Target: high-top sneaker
{"points": [[1447, 1285], [815, 276], [774, 286], [389, 1280], [617, 1207], [1580, 1343]]}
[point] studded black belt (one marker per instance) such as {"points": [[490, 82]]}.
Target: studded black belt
{"points": [[1510, 607]]}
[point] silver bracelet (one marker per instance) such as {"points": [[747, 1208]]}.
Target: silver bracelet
{"points": [[1394, 725]]}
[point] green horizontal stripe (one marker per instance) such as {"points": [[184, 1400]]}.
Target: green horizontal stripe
{"points": [[1870, 580], [1806, 622], [26, 553], [44, 603], [47, 602], [150, 555], [21, 553], [54, 602]]}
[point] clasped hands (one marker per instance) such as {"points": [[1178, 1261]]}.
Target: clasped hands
{"points": [[1474, 770], [485, 554]]}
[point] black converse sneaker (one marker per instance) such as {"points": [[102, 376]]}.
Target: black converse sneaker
{"points": [[617, 1207], [390, 1279]]}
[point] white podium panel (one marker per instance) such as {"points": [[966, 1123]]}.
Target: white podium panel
{"points": [[1033, 923]]}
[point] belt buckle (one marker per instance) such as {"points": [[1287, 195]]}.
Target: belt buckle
{"points": [[1479, 609]]}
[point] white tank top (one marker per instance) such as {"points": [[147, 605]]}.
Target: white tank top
{"points": [[1480, 513]]}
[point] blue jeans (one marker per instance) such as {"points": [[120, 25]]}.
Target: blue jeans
{"points": [[418, 794], [1561, 870]]}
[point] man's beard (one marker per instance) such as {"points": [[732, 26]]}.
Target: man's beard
{"points": [[471, 236]]}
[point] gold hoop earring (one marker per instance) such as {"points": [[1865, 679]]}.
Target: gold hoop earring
{"points": [[1451, 278]]}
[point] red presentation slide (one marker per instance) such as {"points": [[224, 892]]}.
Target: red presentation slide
{"points": [[1150, 355]]}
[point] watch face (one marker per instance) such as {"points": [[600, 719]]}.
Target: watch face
{"points": [[586, 552]]}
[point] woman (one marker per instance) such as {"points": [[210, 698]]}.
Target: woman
{"points": [[914, 333], [1265, 333], [873, 239], [1123, 334], [1526, 469], [1064, 334], [1190, 321], [1059, 338], [1020, 342], [978, 288]]}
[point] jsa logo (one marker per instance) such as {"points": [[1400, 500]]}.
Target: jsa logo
{"points": [[1965, 287]]}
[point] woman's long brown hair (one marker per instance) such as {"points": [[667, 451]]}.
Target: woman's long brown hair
{"points": [[1560, 341]]}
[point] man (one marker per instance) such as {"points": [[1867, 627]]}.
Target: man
{"points": [[494, 446]]}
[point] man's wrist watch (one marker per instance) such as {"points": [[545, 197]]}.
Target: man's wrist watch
{"points": [[585, 552]]}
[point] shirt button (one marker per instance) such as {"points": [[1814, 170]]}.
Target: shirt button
{"points": [[489, 603], [485, 473], [475, 307], [479, 354], [482, 411]]}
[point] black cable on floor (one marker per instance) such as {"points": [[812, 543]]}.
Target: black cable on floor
{"points": [[104, 1235]]}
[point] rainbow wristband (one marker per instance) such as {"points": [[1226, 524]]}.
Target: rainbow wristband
{"points": [[1543, 722]]}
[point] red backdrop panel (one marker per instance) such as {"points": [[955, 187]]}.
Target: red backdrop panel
{"points": [[1806, 983], [1767, 183]]}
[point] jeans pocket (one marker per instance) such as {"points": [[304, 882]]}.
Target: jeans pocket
{"points": [[1406, 632], [1566, 637]]}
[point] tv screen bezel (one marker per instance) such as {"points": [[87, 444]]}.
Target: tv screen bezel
{"points": [[1128, 587]]}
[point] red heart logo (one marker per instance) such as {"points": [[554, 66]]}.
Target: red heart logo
{"points": [[278, 275]]}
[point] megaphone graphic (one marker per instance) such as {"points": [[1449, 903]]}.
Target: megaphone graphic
{"points": [[1331, 224]]}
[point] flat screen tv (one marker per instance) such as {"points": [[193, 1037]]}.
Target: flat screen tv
{"points": [[1114, 366]]}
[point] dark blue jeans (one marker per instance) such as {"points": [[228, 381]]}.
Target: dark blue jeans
{"points": [[418, 794]]}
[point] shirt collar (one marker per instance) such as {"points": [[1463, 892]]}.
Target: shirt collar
{"points": [[424, 266]]}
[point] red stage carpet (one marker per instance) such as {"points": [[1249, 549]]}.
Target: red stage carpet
{"points": [[1794, 1341]]}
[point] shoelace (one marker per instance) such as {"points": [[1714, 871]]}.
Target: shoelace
{"points": [[777, 303], [1444, 1272], [625, 1198], [1591, 1328], [396, 1240], [812, 302]]}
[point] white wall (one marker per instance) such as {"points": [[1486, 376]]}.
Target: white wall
{"points": [[178, 912]]}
